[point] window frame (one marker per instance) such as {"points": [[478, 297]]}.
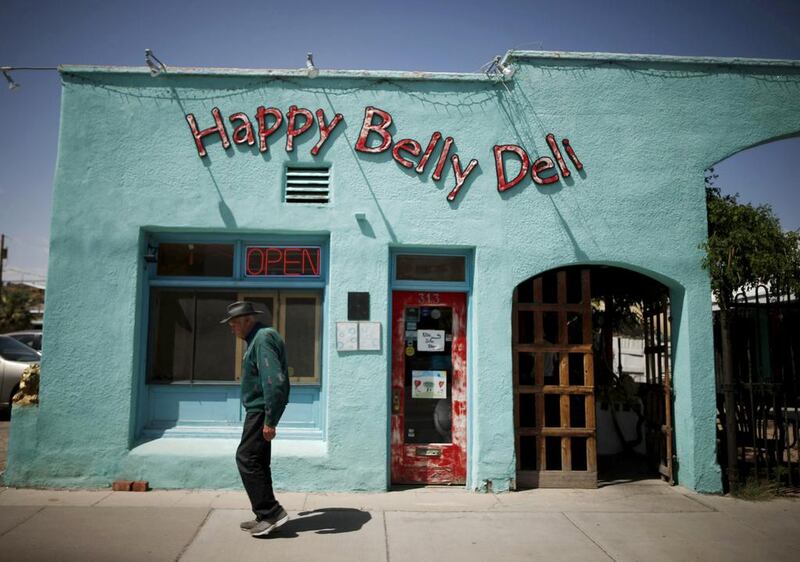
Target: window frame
{"points": [[153, 317], [423, 285], [213, 408], [279, 323], [198, 242], [240, 283], [239, 280], [239, 343], [315, 380]]}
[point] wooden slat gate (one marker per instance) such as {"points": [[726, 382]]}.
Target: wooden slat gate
{"points": [[554, 405], [658, 389]]}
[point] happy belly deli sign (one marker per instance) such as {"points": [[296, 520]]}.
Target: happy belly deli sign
{"points": [[375, 138]]}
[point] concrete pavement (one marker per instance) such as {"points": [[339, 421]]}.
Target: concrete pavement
{"points": [[645, 520]]}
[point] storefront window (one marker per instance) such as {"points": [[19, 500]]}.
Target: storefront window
{"points": [[422, 267], [197, 260], [300, 318], [190, 345], [296, 316], [191, 285], [193, 363]]}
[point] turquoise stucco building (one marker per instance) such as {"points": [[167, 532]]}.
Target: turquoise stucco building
{"points": [[377, 219]]}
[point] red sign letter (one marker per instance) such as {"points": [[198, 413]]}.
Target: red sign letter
{"points": [[245, 128], [263, 131], [312, 260], [437, 173], [291, 258], [274, 256], [502, 183], [379, 128], [551, 140], [542, 165], [409, 145], [571, 154], [428, 151], [255, 266], [461, 177], [324, 131], [218, 127], [291, 131], [269, 261]]}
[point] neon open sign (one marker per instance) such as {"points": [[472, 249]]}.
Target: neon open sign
{"points": [[282, 261]]}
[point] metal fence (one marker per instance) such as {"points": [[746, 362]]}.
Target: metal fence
{"points": [[764, 331]]}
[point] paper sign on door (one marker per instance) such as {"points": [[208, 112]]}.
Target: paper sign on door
{"points": [[429, 384], [430, 340]]}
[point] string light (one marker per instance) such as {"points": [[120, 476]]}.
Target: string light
{"points": [[312, 70], [499, 68], [12, 84], [156, 66]]}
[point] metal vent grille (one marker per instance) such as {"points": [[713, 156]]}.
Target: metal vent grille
{"points": [[308, 185]]}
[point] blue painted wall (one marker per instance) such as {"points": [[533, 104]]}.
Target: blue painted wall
{"points": [[644, 127]]}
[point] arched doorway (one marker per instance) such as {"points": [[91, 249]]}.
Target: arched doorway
{"points": [[592, 386]]}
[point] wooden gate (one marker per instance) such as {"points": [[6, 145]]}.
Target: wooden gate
{"points": [[554, 406], [658, 386]]}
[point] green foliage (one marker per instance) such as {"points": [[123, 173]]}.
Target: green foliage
{"points": [[746, 247], [15, 308]]}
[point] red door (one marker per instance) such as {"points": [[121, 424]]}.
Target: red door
{"points": [[429, 388]]}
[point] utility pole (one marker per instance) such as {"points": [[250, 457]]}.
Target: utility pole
{"points": [[3, 256]]}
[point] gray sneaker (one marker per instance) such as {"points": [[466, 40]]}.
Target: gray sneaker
{"points": [[248, 525], [266, 526]]}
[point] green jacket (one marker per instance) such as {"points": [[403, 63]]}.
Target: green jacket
{"points": [[265, 381]]}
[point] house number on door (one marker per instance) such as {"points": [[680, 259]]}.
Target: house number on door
{"points": [[428, 298]]}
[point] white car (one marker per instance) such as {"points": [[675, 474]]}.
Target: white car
{"points": [[31, 338], [14, 358]]}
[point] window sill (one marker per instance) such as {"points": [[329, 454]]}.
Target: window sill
{"points": [[225, 431], [234, 384], [219, 446]]}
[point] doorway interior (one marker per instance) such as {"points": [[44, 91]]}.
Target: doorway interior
{"points": [[592, 378]]}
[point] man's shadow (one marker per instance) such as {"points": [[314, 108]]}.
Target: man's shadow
{"points": [[327, 521]]}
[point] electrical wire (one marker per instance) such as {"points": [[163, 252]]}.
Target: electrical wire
{"points": [[10, 68], [27, 242]]}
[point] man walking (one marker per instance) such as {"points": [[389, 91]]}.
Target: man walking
{"points": [[265, 392]]}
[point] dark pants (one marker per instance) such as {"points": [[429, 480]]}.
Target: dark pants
{"points": [[253, 460]]}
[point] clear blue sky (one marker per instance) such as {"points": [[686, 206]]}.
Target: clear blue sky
{"points": [[430, 35]]}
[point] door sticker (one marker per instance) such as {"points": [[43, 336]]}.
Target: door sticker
{"points": [[430, 340], [429, 384]]}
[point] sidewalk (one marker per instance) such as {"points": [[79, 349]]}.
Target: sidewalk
{"points": [[635, 521]]}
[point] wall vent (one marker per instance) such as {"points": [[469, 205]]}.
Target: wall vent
{"points": [[308, 185]]}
